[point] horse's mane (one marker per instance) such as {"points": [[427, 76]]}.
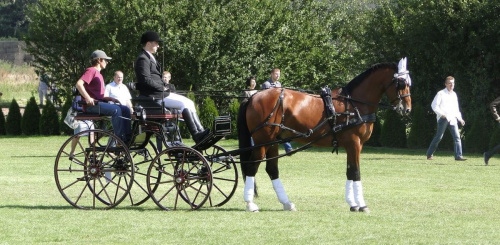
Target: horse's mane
{"points": [[361, 77]]}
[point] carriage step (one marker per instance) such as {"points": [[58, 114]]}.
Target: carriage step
{"points": [[103, 148], [208, 142]]}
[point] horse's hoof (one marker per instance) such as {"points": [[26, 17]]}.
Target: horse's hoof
{"points": [[364, 210], [289, 207], [252, 207], [354, 209]]}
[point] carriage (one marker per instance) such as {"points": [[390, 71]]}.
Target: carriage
{"points": [[104, 172], [94, 169]]}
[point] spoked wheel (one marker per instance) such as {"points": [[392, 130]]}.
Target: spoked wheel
{"points": [[186, 179], [91, 175], [142, 159], [224, 174]]}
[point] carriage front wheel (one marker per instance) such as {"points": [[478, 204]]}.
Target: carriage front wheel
{"points": [[185, 179], [225, 175], [94, 170]]}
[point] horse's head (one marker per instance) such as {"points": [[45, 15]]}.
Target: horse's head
{"points": [[400, 95]]}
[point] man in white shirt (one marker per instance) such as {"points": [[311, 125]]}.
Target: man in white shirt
{"points": [[117, 92], [445, 105]]}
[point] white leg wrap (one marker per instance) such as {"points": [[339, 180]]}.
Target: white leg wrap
{"points": [[280, 191], [249, 192], [358, 194], [349, 194]]}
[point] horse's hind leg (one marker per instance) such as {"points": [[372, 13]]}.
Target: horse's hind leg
{"points": [[250, 170], [273, 172]]}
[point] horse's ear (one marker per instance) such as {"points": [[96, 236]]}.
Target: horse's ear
{"points": [[402, 65]]}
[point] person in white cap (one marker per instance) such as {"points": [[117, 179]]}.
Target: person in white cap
{"points": [[91, 88], [445, 105]]}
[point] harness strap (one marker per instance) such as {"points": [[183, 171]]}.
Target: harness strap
{"points": [[278, 103]]}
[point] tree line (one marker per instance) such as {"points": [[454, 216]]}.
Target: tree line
{"points": [[215, 45]]}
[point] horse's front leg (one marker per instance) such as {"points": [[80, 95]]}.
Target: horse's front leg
{"points": [[353, 187], [273, 172], [249, 171]]}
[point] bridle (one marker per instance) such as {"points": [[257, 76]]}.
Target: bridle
{"points": [[400, 83]]}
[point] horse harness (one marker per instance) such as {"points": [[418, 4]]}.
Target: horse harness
{"points": [[331, 115]]}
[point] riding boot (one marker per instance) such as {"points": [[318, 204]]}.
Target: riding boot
{"points": [[193, 129], [197, 121]]}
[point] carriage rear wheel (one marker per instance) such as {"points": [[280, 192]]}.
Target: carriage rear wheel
{"points": [[94, 174], [186, 179], [225, 175]]}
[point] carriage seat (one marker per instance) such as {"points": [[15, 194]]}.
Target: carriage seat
{"points": [[152, 108], [81, 115]]}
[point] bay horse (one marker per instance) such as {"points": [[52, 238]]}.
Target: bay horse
{"points": [[273, 116]]}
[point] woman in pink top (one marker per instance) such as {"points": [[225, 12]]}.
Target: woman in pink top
{"points": [[91, 88]]}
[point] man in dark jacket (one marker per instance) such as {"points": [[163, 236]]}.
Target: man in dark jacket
{"points": [[493, 107], [150, 84]]}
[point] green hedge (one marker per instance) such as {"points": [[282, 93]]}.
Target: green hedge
{"points": [[208, 111], [31, 118], [476, 137], [2, 123], [13, 123], [49, 121], [393, 132], [234, 106]]}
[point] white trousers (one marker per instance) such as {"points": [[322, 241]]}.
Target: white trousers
{"points": [[179, 102]]}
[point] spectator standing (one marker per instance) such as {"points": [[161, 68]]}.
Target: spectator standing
{"points": [[43, 87], [250, 89], [117, 92], [445, 105], [274, 82], [493, 107]]}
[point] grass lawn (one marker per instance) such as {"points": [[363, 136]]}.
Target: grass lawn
{"points": [[413, 201]]}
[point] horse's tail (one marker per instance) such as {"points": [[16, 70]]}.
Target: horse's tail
{"points": [[244, 139]]}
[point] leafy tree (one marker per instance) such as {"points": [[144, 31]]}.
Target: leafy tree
{"points": [[49, 121], [476, 137], [2, 123], [393, 133], [13, 19], [31, 118], [421, 132], [209, 45], [13, 123]]}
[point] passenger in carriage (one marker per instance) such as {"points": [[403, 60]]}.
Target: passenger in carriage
{"points": [[118, 92], [91, 88], [166, 78], [150, 84]]}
